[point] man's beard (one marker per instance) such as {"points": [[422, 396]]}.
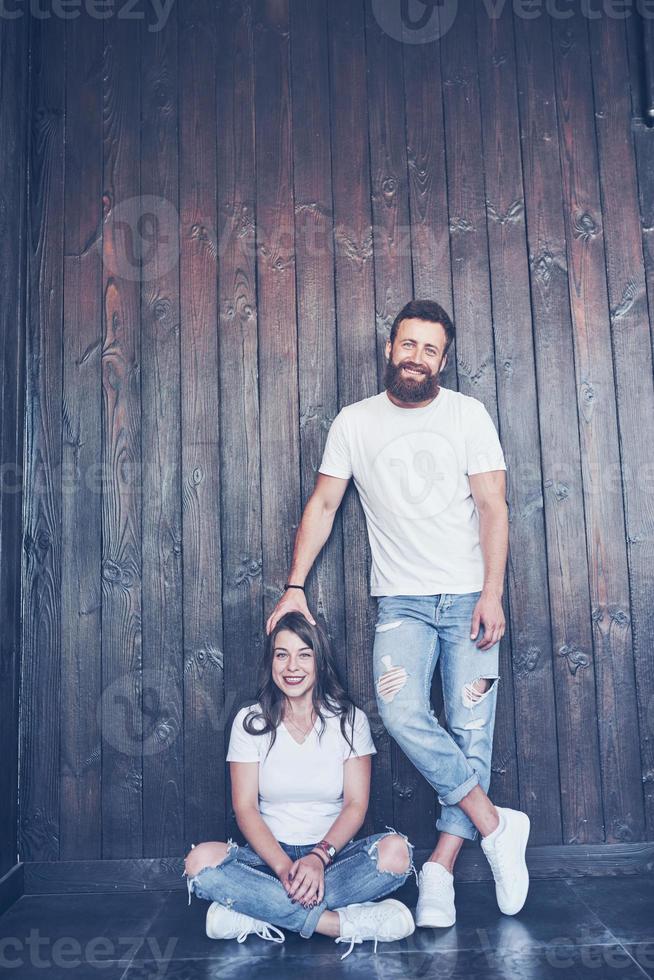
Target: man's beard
{"points": [[406, 388]]}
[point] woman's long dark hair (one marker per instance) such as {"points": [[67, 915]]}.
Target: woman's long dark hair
{"points": [[328, 693]]}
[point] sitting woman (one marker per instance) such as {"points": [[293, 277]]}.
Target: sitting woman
{"points": [[300, 763]]}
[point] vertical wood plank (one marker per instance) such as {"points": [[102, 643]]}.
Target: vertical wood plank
{"points": [[428, 206], [278, 386], [14, 59], [606, 546], [122, 697], [528, 595], [643, 138], [475, 356], [574, 672], [238, 343], [632, 357], [316, 303], [357, 375], [81, 679], [161, 529], [202, 428], [413, 797], [40, 681]]}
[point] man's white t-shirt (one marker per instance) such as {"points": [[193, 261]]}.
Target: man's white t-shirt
{"points": [[301, 786], [411, 468]]}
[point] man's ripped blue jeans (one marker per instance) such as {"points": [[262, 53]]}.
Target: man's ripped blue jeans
{"points": [[413, 634]]}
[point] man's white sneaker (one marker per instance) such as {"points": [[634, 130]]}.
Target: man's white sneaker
{"points": [[435, 906], [505, 850], [381, 921], [224, 923]]}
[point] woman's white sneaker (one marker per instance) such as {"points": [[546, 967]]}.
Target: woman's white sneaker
{"points": [[224, 923], [505, 850], [435, 908], [380, 921]]}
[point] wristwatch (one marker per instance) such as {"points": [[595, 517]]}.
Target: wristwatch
{"points": [[328, 849]]}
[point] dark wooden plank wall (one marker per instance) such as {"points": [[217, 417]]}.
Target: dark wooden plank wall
{"points": [[223, 221], [14, 40]]}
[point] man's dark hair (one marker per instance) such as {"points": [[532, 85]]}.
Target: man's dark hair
{"points": [[424, 309]]}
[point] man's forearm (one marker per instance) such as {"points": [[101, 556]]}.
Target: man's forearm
{"points": [[315, 527], [494, 541]]}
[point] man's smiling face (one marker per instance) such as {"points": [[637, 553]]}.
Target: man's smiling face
{"points": [[415, 361]]}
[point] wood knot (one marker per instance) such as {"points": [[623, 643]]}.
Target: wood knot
{"points": [[512, 214], [588, 395], [626, 300], [116, 574], [524, 661], [162, 309], [461, 224], [618, 616], [403, 792], [205, 658], [566, 40], [389, 186], [584, 226], [250, 569], [575, 658]]}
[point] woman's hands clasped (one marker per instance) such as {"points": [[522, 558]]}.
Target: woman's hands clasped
{"points": [[305, 880]]}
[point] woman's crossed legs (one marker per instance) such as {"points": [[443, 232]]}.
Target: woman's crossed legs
{"points": [[364, 870]]}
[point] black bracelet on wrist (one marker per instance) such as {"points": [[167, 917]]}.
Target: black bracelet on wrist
{"points": [[321, 855], [289, 586]]}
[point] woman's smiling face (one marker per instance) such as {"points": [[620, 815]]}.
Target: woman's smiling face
{"points": [[293, 665]]}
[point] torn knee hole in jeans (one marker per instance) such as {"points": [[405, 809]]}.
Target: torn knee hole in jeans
{"points": [[373, 854], [392, 680], [232, 846], [474, 692]]}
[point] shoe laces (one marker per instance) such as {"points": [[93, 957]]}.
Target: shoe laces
{"points": [[352, 940], [374, 915], [262, 929], [434, 881], [496, 858]]}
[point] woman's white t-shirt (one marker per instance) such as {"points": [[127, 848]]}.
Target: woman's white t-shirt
{"points": [[301, 786]]}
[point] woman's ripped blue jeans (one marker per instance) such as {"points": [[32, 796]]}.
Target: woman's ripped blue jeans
{"points": [[414, 634], [244, 883]]}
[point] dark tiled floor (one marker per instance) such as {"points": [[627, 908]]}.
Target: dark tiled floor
{"points": [[601, 928]]}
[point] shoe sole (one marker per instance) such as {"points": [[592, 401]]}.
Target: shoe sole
{"points": [[525, 829], [426, 920]]}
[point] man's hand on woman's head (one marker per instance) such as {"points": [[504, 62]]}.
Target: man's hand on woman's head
{"points": [[306, 880], [293, 600]]}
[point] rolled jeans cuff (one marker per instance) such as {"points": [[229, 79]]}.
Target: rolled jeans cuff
{"points": [[457, 794], [311, 920], [447, 823]]}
